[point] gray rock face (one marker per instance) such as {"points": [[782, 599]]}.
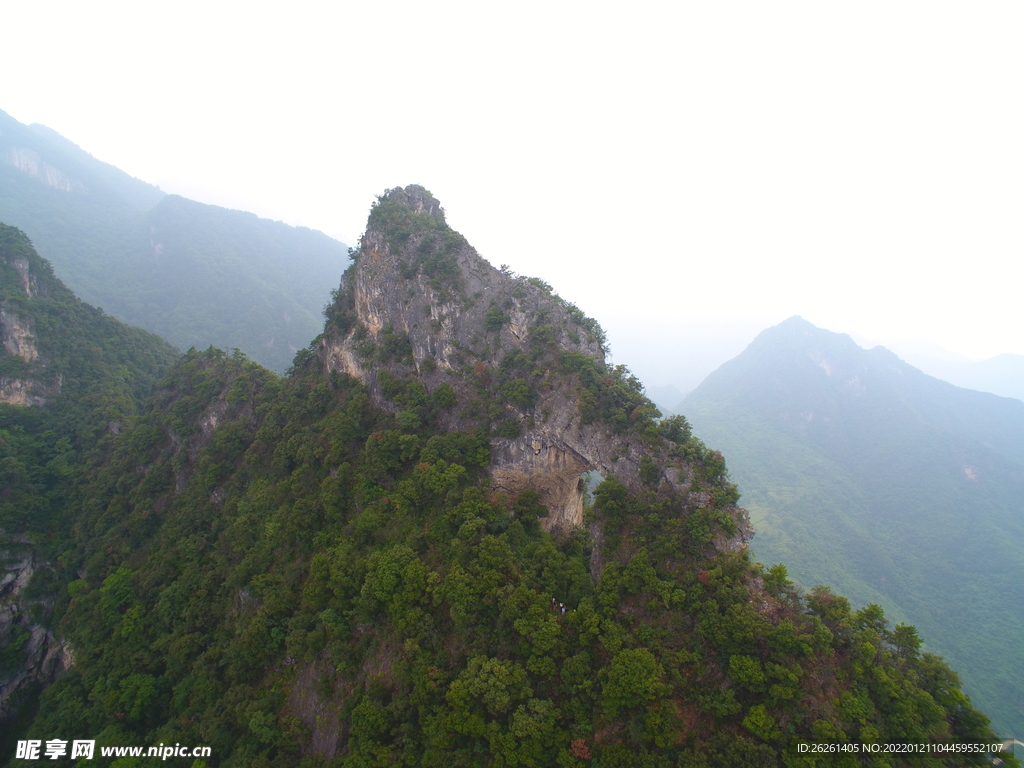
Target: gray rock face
{"points": [[14, 391], [42, 658], [18, 340], [446, 320], [29, 161], [19, 336], [28, 279], [418, 287]]}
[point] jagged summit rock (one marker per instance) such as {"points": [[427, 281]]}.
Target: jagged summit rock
{"points": [[419, 199], [420, 302]]}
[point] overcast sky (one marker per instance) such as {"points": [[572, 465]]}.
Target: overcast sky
{"points": [[688, 173]]}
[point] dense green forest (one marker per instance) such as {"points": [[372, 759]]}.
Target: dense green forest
{"points": [[892, 487], [326, 578], [92, 372], [194, 274], [311, 571], [70, 379]]}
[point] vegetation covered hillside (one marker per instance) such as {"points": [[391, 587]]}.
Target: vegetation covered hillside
{"points": [[71, 378], [895, 488], [321, 570], [194, 274]]}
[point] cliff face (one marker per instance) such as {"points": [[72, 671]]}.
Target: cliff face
{"points": [[52, 344], [27, 382], [420, 302], [37, 657], [74, 375], [29, 161]]}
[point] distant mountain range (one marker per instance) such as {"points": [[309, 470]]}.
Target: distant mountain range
{"points": [[197, 275], [865, 474], [1001, 375]]}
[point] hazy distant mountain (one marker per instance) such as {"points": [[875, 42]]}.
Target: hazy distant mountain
{"points": [[863, 473], [43, 154], [195, 274], [1002, 375], [698, 347], [664, 396]]}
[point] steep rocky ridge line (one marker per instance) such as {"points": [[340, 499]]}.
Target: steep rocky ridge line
{"points": [[418, 286]]}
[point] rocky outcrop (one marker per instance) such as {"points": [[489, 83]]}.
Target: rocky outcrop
{"points": [[19, 337], [29, 161], [27, 387], [28, 279], [420, 301], [442, 308], [25, 392], [40, 657], [551, 458]]}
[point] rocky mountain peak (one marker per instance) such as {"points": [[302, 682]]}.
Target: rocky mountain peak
{"points": [[416, 198], [428, 325]]}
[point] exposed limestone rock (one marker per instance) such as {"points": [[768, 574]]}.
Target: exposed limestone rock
{"points": [[26, 385], [21, 391], [551, 457], [450, 316], [30, 162], [318, 712], [19, 337], [43, 657], [28, 280], [191, 446]]}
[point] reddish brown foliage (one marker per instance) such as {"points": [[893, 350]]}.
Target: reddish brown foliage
{"points": [[580, 749]]}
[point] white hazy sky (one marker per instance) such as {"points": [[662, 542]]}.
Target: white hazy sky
{"points": [[686, 172]]}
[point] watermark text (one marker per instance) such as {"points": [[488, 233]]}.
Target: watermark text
{"points": [[38, 749]]}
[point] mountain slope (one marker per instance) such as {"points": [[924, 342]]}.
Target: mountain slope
{"points": [[195, 274], [865, 474], [71, 378], [1002, 374], [56, 350], [378, 560], [43, 154]]}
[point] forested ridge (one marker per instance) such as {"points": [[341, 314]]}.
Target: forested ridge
{"points": [[93, 372], [71, 378], [195, 274], [863, 473], [295, 571]]}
